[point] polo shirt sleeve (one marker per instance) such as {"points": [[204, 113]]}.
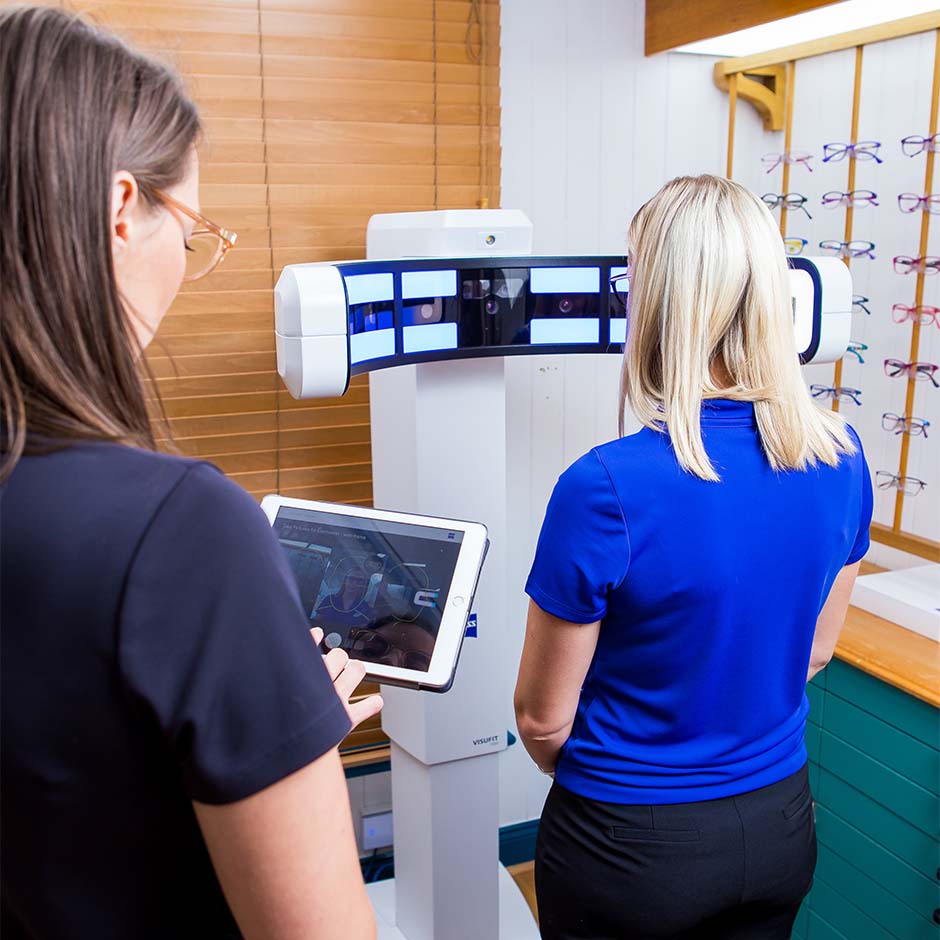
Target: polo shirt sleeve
{"points": [[214, 647], [583, 549], [866, 501]]}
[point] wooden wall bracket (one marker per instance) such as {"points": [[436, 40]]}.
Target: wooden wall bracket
{"points": [[764, 86]]}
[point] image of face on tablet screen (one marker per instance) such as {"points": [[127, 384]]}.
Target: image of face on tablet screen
{"points": [[377, 589]]}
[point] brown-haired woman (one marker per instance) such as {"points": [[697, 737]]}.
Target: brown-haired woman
{"points": [[169, 729]]}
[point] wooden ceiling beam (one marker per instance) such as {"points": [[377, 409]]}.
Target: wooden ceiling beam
{"points": [[671, 23]]}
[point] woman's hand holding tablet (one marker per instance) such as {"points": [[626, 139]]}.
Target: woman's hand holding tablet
{"points": [[390, 590], [346, 674]]}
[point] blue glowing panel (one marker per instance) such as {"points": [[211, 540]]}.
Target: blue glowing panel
{"points": [[373, 344], [559, 331], [428, 284], [430, 337], [618, 329], [369, 288], [565, 280]]}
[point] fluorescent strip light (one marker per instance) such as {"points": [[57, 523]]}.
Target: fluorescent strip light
{"points": [[374, 344], [565, 280], [429, 337], [618, 329], [564, 331], [428, 284], [369, 288], [805, 27]]}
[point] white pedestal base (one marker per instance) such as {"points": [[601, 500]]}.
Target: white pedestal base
{"points": [[515, 919], [909, 597]]}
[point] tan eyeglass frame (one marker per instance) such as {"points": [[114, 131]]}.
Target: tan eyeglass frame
{"points": [[204, 226]]}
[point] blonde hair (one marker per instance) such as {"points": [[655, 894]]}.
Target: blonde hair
{"points": [[710, 299]]}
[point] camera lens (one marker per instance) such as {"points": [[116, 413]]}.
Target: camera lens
{"points": [[565, 305], [491, 307]]}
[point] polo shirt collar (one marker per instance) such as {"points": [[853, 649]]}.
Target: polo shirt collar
{"points": [[726, 412]]}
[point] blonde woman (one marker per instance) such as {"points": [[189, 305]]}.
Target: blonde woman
{"points": [[688, 580]]}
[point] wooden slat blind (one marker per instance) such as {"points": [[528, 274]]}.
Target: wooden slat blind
{"points": [[318, 113]]}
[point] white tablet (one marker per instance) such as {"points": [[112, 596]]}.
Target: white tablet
{"points": [[392, 589]]}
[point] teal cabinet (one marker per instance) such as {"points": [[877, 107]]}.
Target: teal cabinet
{"points": [[874, 755]]}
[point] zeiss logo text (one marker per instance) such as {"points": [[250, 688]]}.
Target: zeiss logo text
{"points": [[492, 739]]}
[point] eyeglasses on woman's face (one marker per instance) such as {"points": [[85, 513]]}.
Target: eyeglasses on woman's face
{"points": [[839, 393], [620, 289], [376, 647], [902, 425], [206, 246], [910, 486]]}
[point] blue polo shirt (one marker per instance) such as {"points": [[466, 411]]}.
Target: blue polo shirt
{"points": [[708, 595]]}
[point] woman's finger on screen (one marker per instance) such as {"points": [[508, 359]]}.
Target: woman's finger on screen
{"points": [[317, 635]]}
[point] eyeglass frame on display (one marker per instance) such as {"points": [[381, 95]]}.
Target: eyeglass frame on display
{"points": [[860, 300], [857, 348], [924, 144], [853, 151], [801, 242], [226, 237], [897, 482], [792, 157], [924, 264], [920, 202], [917, 313], [844, 249], [914, 430], [850, 199], [786, 200], [836, 393], [913, 370]]}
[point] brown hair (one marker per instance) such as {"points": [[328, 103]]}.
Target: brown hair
{"points": [[78, 105]]}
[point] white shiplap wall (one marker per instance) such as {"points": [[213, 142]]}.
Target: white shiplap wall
{"points": [[591, 129]]}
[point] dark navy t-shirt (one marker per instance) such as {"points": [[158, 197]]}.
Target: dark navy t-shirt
{"points": [[153, 653], [708, 595]]}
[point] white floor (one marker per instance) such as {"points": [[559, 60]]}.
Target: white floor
{"points": [[515, 918]]}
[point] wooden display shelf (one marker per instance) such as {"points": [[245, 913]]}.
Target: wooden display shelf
{"points": [[889, 652]]}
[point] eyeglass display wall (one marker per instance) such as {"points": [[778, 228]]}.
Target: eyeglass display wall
{"points": [[855, 173]]}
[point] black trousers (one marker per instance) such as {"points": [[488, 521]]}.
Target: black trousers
{"points": [[730, 869]]}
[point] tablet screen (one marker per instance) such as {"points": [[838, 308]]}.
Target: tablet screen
{"points": [[375, 587]]}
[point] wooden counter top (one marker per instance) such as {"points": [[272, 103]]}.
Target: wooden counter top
{"points": [[900, 657]]}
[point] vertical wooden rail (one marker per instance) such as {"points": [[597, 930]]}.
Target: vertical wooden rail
{"points": [[787, 141], [919, 289], [850, 187], [732, 111]]}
